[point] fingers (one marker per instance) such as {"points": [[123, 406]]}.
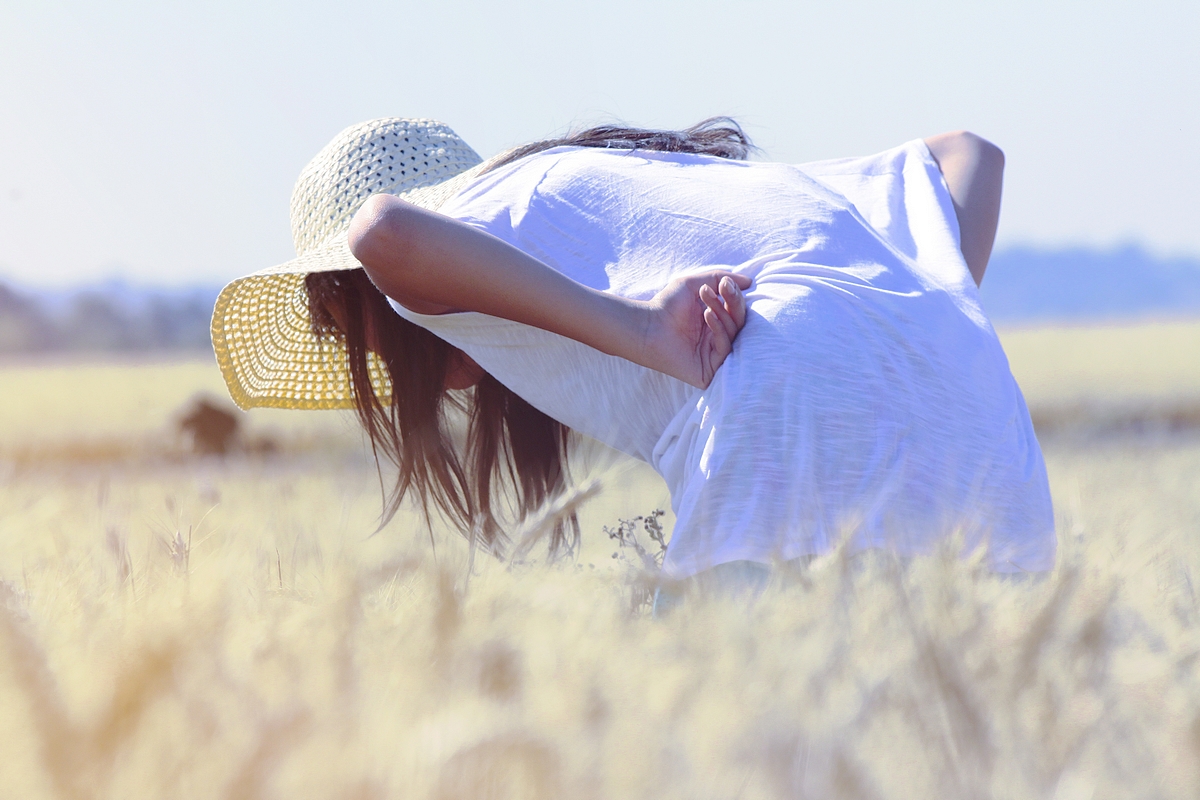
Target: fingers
{"points": [[717, 311], [724, 316], [741, 281], [729, 306], [735, 301], [722, 342]]}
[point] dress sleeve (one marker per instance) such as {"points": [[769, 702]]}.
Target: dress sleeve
{"points": [[902, 195]]}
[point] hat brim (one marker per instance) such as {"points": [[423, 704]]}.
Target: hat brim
{"points": [[262, 333]]}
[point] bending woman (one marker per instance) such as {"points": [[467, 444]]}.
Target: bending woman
{"points": [[598, 284]]}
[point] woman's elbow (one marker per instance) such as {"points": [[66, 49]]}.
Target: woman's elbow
{"points": [[384, 236], [375, 228], [966, 148], [988, 154]]}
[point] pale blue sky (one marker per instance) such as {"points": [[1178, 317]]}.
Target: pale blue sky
{"points": [[159, 141]]}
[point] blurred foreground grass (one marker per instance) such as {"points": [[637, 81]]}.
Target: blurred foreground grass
{"points": [[181, 627]]}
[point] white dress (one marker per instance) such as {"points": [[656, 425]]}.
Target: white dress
{"points": [[868, 395]]}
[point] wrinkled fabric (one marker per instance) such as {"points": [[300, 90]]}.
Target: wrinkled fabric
{"points": [[868, 396]]}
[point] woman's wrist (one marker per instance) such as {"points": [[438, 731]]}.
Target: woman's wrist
{"points": [[618, 326]]}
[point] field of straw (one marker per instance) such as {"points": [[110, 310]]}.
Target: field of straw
{"points": [[200, 627]]}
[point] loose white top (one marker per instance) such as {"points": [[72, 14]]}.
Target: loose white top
{"points": [[867, 396]]}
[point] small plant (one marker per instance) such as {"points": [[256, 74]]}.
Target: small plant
{"points": [[179, 550], [625, 535]]}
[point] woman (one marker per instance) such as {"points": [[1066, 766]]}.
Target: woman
{"points": [[597, 283]]}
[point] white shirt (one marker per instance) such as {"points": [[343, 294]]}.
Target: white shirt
{"points": [[868, 395]]}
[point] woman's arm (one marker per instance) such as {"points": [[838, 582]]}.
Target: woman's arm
{"points": [[434, 264], [974, 171]]}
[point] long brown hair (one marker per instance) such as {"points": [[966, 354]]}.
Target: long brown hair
{"points": [[509, 445]]}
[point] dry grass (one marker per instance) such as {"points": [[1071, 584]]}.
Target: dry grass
{"points": [[1121, 378], [231, 630]]}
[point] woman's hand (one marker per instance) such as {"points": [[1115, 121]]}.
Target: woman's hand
{"points": [[693, 323]]}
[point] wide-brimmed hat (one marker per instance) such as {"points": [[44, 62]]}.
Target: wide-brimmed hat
{"points": [[261, 330]]}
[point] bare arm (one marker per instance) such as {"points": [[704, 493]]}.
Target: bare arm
{"points": [[433, 264], [974, 171]]}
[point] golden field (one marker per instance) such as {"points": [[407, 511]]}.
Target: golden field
{"points": [[184, 627]]}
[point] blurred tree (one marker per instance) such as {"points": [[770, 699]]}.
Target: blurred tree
{"points": [[112, 318], [24, 326], [177, 323], [96, 324]]}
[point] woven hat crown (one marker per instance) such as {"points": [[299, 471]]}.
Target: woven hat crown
{"points": [[392, 155], [261, 330]]}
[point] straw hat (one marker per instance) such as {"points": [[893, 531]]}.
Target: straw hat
{"points": [[261, 329]]}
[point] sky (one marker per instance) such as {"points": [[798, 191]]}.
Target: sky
{"points": [[158, 142]]}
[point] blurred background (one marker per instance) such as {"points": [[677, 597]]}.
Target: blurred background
{"points": [[193, 600], [148, 150], [153, 146]]}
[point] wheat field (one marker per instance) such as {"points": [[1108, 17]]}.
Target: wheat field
{"points": [[185, 627]]}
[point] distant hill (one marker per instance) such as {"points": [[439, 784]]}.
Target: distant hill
{"points": [[112, 317], [1025, 284]]}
